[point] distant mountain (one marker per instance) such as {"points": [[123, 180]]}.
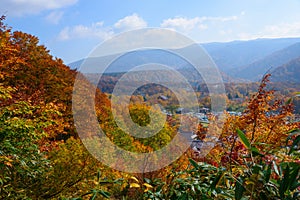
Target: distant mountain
{"points": [[124, 62], [255, 70], [289, 72], [227, 55], [241, 53], [243, 60], [182, 60]]}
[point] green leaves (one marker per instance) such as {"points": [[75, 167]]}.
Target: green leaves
{"points": [[267, 173], [294, 137], [21, 161], [295, 145], [258, 179], [194, 163], [239, 189], [290, 180], [243, 138], [201, 181], [247, 144], [101, 192]]}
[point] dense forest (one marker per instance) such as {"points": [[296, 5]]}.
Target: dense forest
{"points": [[42, 156]]}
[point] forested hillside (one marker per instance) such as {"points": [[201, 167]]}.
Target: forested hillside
{"points": [[255, 70], [256, 155], [288, 72]]}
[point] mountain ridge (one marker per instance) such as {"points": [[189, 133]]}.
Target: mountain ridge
{"points": [[288, 72], [255, 70], [237, 60]]}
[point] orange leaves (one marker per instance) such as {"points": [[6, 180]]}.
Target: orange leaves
{"points": [[36, 77], [6, 160], [265, 117], [264, 124]]}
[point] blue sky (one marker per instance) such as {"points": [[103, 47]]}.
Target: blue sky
{"points": [[70, 29]]}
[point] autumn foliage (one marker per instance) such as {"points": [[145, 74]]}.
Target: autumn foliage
{"points": [[41, 156]]}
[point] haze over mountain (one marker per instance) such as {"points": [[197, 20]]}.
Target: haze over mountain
{"points": [[255, 70], [240, 53], [237, 60], [124, 62], [289, 72]]}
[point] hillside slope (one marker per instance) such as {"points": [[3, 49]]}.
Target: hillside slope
{"points": [[255, 70], [36, 77], [289, 72], [235, 54]]}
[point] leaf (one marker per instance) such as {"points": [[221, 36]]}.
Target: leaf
{"points": [[284, 184], [239, 189], [8, 164], [268, 173], [194, 163], [104, 193], [98, 175], [148, 185], [184, 196], [293, 132], [293, 182], [217, 180], [296, 143], [134, 178], [227, 183], [256, 168], [94, 195], [243, 138], [147, 180], [276, 168], [118, 181], [255, 152], [134, 185], [295, 185]]}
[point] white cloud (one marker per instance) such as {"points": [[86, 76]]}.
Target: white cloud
{"points": [[64, 34], [130, 22], [22, 7], [134, 21], [54, 17], [282, 30], [96, 30], [186, 25], [182, 23]]}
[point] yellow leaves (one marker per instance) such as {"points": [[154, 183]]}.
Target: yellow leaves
{"points": [[8, 164], [5, 91], [6, 160], [134, 178], [96, 182], [134, 185], [148, 187], [237, 170]]}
